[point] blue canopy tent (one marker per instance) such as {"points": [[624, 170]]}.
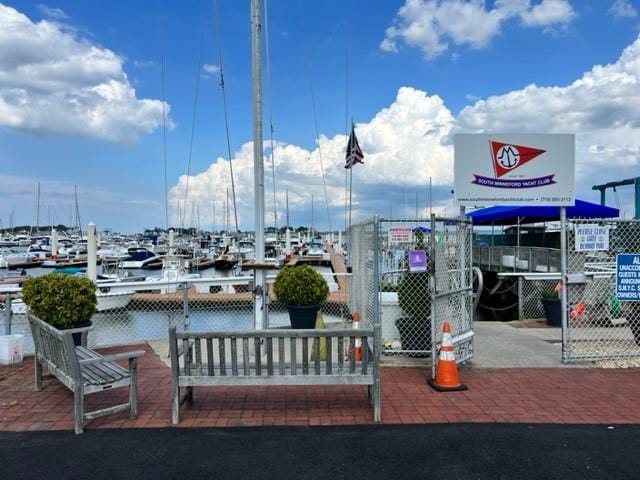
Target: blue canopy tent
{"points": [[503, 215]]}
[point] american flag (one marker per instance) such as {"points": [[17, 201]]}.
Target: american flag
{"points": [[354, 152]]}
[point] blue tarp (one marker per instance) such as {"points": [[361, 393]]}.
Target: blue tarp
{"points": [[511, 215]]}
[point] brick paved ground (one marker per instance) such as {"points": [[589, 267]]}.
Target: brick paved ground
{"points": [[495, 395]]}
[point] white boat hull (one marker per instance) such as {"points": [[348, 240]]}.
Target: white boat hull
{"points": [[112, 301]]}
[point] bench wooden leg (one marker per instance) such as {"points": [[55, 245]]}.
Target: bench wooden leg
{"points": [[78, 409], [133, 387], [175, 401], [376, 400], [38, 373], [189, 396]]}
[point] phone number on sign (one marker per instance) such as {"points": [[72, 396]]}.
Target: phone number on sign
{"points": [[555, 199]]}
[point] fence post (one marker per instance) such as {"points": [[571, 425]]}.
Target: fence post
{"points": [[520, 299], [434, 287], [185, 305], [563, 283], [7, 314], [377, 321]]}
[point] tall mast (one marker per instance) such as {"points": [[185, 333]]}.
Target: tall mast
{"points": [[38, 209], [287, 200], [260, 313], [311, 232], [78, 212]]}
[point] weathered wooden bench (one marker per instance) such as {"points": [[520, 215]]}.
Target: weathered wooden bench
{"points": [[82, 370], [273, 357]]}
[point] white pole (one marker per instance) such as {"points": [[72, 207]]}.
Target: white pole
{"points": [[172, 241], [54, 243], [91, 251], [260, 313], [287, 243], [339, 249], [563, 281]]}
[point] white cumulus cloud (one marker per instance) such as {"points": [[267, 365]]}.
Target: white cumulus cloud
{"points": [[409, 141], [403, 145], [431, 24], [53, 82], [623, 9]]}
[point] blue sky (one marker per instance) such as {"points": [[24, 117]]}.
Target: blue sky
{"points": [[418, 72]]}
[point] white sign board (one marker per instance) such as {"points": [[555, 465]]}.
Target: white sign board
{"points": [[592, 238], [400, 235], [514, 169]]}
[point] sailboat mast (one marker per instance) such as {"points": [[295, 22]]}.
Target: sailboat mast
{"points": [[287, 200], [311, 232], [38, 209], [226, 212], [78, 212], [260, 312]]}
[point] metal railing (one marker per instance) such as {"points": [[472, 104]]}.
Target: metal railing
{"points": [[135, 312]]}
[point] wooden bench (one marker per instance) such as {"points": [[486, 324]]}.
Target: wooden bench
{"points": [[82, 370], [280, 357]]}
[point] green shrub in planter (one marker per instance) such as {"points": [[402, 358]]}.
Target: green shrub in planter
{"points": [[62, 301], [302, 290], [300, 286], [414, 297]]}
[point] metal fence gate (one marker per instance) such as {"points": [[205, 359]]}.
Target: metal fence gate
{"points": [[600, 326], [452, 286], [411, 306]]}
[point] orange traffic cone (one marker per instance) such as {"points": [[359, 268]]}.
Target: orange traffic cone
{"points": [[357, 351], [446, 379]]}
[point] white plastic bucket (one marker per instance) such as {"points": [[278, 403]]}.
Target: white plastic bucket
{"points": [[11, 349]]}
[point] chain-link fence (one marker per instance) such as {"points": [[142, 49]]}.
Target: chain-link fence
{"points": [[136, 312], [531, 294], [405, 300], [453, 283], [405, 297], [599, 325]]}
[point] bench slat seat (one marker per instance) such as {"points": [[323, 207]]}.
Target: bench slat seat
{"points": [[101, 373], [82, 370], [299, 357]]}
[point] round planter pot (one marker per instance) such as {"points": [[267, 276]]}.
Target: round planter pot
{"points": [[303, 316], [553, 311], [415, 335], [77, 337]]}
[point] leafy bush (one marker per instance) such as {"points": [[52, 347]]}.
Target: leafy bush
{"points": [[300, 286], [414, 295], [551, 294], [414, 291], [62, 301]]}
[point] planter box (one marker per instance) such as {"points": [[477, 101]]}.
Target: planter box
{"points": [[553, 311]]}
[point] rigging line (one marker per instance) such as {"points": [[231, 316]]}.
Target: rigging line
{"points": [[315, 123], [315, 117], [268, 65], [193, 121], [224, 104], [347, 173], [164, 129]]}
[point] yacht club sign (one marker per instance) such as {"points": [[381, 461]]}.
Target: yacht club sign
{"points": [[514, 169]]}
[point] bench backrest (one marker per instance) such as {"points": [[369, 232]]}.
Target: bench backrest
{"points": [[55, 350], [277, 352]]}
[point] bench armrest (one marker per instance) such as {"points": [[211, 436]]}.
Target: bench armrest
{"points": [[79, 330], [113, 357]]}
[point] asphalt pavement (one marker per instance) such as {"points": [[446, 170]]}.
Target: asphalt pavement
{"points": [[442, 451]]}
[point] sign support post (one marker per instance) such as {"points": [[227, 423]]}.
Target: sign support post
{"points": [[563, 283]]}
